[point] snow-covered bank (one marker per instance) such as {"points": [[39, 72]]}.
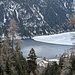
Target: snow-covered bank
{"points": [[62, 38]]}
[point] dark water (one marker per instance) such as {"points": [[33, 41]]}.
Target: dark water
{"points": [[43, 49]]}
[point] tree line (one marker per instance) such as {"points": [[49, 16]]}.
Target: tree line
{"points": [[12, 61], [66, 65]]}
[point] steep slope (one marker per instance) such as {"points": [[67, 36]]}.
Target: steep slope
{"points": [[38, 17]]}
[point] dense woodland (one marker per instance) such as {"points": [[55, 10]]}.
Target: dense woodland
{"points": [[12, 61]]}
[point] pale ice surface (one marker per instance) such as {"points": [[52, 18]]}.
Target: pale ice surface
{"points": [[67, 38]]}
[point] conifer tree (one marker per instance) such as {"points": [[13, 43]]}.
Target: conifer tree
{"points": [[72, 67], [12, 61], [21, 63], [32, 65], [7, 55], [52, 69], [13, 31], [61, 60], [1, 60]]}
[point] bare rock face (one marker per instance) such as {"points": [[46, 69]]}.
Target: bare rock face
{"points": [[38, 17]]}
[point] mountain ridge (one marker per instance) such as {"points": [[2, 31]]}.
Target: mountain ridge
{"points": [[38, 17]]}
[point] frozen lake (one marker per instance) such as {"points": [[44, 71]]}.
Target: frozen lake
{"points": [[43, 49]]}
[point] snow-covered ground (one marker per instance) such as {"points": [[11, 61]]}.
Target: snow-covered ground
{"points": [[62, 38], [44, 63]]}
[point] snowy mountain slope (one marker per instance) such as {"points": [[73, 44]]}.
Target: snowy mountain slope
{"points": [[38, 17], [63, 38]]}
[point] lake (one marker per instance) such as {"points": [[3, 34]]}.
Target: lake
{"points": [[43, 49]]}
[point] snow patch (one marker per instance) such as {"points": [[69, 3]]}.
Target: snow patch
{"points": [[17, 14], [62, 38], [65, 4], [1, 3], [4, 19], [41, 15]]}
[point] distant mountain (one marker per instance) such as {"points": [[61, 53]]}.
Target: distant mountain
{"points": [[37, 17]]}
